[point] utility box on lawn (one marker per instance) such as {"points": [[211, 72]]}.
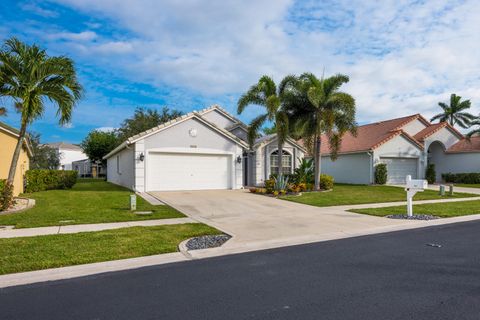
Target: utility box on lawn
{"points": [[133, 202]]}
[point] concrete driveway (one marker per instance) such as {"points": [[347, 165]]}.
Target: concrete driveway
{"points": [[254, 218]]}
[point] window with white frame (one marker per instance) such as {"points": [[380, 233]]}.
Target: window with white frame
{"points": [[286, 162]]}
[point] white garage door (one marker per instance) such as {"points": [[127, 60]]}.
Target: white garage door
{"points": [[187, 171], [399, 168]]}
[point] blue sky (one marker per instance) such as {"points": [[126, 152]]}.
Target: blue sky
{"points": [[402, 56]]}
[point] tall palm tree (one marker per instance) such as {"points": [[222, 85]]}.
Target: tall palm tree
{"points": [[317, 107], [266, 94], [31, 78], [476, 131], [455, 113]]}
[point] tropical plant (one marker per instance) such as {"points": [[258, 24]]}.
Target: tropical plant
{"points": [[281, 183], [144, 119], [265, 94], [30, 78], [455, 113], [304, 172], [318, 110], [475, 131]]}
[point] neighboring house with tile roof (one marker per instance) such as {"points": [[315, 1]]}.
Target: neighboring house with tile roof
{"points": [[8, 143], [68, 153], [205, 149], [406, 145]]}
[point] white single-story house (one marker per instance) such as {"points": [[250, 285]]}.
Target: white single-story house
{"points": [[201, 150], [406, 145], [67, 153]]}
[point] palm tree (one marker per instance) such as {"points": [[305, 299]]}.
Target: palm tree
{"points": [[317, 107], [266, 94], [455, 112], [30, 78], [476, 131]]}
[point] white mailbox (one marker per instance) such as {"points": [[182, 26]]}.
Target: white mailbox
{"points": [[412, 187], [417, 184]]}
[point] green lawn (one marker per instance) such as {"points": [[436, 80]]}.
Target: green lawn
{"points": [[89, 201], [60, 250], [463, 185], [344, 194], [444, 210]]}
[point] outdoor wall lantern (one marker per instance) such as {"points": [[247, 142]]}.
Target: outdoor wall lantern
{"points": [[141, 157], [239, 159]]}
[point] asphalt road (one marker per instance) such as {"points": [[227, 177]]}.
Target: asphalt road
{"points": [[387, 276]]}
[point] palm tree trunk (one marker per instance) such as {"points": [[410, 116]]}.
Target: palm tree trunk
{"points": [[280, 159], [16, 153], [318, 159]]}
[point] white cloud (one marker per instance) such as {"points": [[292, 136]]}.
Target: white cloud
{"points": [[35, 8], [72, 36], [402, 56]]}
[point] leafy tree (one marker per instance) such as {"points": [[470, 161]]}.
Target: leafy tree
{"points": [[44, 156], [144, 119], [265, 94], [30, 78], [454, 113], [316, 107], [476, 131], [98, 144]]}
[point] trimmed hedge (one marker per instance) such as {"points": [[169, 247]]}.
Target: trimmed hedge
{"points": [[467, 178], [6, 195], [381, 173], [41, 180]]}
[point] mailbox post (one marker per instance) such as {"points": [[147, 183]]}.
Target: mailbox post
{"points": [[412, 187]]}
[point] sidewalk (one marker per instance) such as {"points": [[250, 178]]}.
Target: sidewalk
{"points": [[75, 228]]}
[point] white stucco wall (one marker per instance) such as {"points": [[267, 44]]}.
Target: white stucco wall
{"points": [[123, 173], [218, 118], [414, 127], [69, 156], [177, 136], [352, 168], [445, 136]]}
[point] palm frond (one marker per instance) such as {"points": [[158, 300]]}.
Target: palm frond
{"points": [[254, 128]]}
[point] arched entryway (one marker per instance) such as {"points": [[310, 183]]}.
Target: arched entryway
{"points": [[435, 155]]}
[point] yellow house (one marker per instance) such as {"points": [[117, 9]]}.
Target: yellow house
{"points": [[8, 142]]}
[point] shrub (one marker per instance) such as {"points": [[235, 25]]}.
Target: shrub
{"points": [[468, 178], [326, 182], [270, 185], [6, 195], [261, 190], [381, 173], [40, 180], [281, 183], [430, 173]]}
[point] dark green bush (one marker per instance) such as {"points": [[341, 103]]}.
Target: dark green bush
{"points": [[41, 180], [326, 182], [381, 173], [6, 195], [431, 174], [467, 178]]}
